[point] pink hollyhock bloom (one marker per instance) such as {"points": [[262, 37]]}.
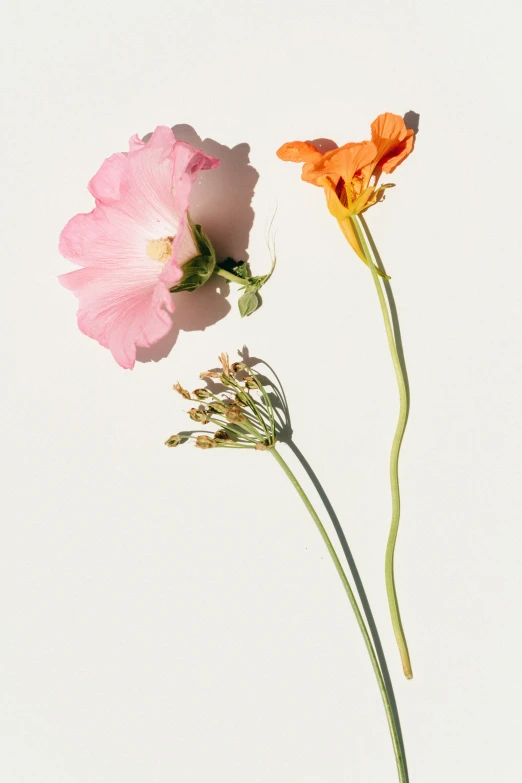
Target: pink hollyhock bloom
{"points": [[134, 243]]}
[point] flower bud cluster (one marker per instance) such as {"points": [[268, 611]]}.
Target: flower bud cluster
{"points": [[240, 408]]}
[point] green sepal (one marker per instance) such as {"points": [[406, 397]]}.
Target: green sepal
{"points": [[199, 269]]}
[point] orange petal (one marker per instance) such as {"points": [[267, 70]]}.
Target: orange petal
{"points": [[299, 152], [388, 126], [393, 140], [347, 160], [390, 162]]}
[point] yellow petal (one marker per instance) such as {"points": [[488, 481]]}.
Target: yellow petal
{"points": [[348, 230], [362, 200], [337, 209]]}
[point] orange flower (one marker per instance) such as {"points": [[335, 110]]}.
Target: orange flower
{"points": [[346, 173]]}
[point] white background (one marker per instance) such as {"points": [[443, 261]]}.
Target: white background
{"points": [[173, 615]]}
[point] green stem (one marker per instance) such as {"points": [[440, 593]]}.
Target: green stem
{"points": [[230, 276], [399, 758], [389, 569]]}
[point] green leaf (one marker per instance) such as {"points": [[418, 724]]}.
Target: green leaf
{"points": [[248, 303]]}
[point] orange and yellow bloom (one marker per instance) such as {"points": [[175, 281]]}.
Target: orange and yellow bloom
{"points": [[350, 174]]}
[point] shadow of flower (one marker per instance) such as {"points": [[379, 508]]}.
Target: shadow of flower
{"points": [[221, 202], [412, 120], [195, 311], [324, 145]]}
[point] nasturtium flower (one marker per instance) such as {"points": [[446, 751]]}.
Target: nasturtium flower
{"points": [[138, 244], [350, 174]]}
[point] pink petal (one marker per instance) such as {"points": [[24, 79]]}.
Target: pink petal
{"points": [[106, 183], [135, 142], [119, 314]]}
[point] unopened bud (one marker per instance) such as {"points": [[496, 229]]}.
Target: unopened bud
{"points": [[198, 415], [226, 380], [180, 390], [250, 382], [235, 415], [173, 441], [201, 394], [204, 442], [222, 437], [239, 401], [238, 366], [218, 407]]}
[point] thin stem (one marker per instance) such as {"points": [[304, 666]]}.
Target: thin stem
{"points": [[399, 758], [236, 430], [389, 569], [268, 403], [230, 276]]}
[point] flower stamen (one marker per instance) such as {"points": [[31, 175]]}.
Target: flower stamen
{"points": [[160, 249]]}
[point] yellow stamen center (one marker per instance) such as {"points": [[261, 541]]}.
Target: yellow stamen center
{"points": [[160, 249]]}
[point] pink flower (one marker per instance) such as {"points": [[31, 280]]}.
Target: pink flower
{"points": [[133, 245]]}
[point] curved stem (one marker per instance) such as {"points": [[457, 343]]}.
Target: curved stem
{"points": [[389, 569], [399, 758]]}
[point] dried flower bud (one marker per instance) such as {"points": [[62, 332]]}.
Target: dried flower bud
{"points": [[180, 390], [204, 442], [235, 415], [201, 394], [218, 407], [239, 401], [225, 363], [198, 415], [222, 437], [227, 380], [238, 366], [250, 382], [209, 374], [173, 441]]}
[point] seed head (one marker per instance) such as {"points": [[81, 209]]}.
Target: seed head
{"points": [[222, 437], [204, 442], [218, 407], [235, 415], [201, 394], [173, 441], [198, 415]]}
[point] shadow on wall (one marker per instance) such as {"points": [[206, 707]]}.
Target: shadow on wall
{"points": [[221, 201]]}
